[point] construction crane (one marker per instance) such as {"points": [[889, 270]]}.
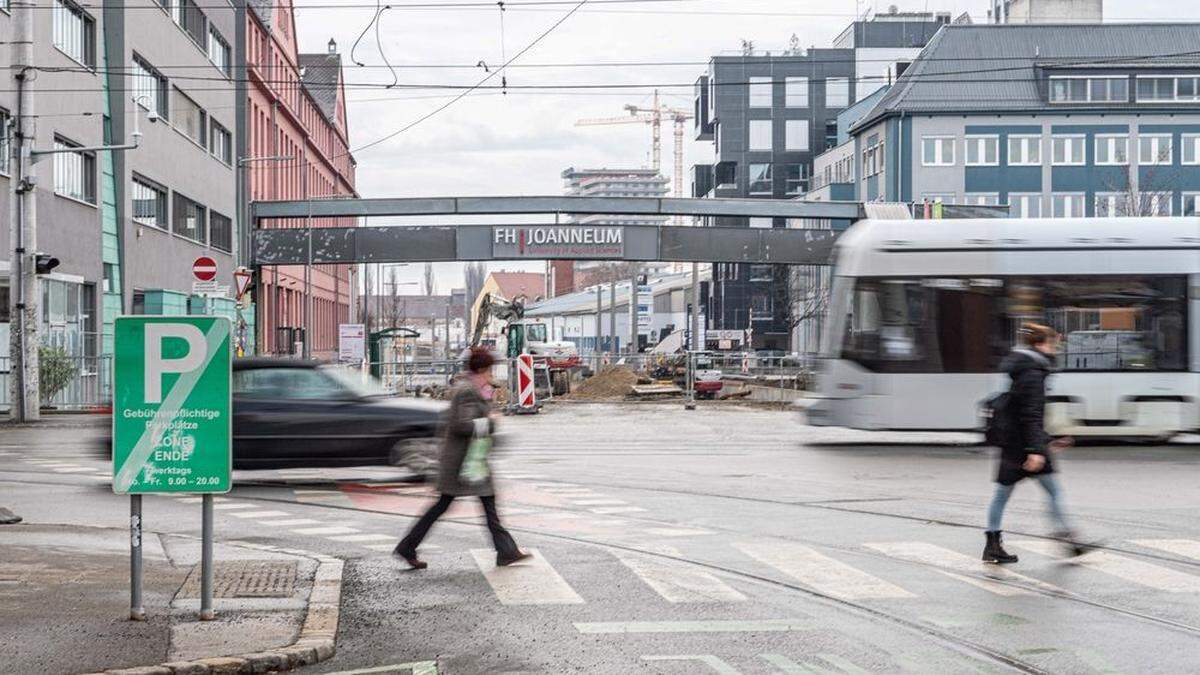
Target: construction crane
{"points": [[654, 117]]}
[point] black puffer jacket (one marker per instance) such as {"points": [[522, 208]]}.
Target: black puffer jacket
{"points": [[1027, 370]]}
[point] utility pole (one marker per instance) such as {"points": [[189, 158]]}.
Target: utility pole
{"points": [[633, 308], [599, 315], [23, 300], [612, 315]]}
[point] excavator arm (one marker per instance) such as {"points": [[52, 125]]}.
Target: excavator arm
{"points": [[495, 307]]}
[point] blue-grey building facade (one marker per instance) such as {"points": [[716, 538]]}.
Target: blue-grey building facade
{"points": [[1052, 120]]}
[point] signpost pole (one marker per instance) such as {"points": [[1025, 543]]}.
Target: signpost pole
{"points": [[136, 611], [206, 558]]}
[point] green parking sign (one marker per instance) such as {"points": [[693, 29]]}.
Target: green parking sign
{"points": [[172, 429]]}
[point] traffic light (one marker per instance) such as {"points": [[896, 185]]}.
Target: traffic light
{"points": [[43, 263]]}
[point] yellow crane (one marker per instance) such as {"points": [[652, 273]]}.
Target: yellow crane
{"points": [[654, 116]]}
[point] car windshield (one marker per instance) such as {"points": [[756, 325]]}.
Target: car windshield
{"points": [[355, 381]]}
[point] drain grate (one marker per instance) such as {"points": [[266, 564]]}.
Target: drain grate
{"points": [[245, 579]]}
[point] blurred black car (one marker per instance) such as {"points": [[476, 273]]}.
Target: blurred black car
{"points": [[291, 413]]}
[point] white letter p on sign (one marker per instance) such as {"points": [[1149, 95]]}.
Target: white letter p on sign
{"points": [[157, 366]]}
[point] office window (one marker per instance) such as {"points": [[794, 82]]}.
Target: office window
{"points": [[1155, 204], [1157, 89], [1089, 89], [1112, 150], [1025, 205], [1191, 203], [983, 198], [983, 150], [761, 223], [837, 92], [75, 32], [937, 151], [796, 92], [74, 172], [5, 140], [1067, 151], [1067, 205], [193, 21], [760, 135], [220, 143], [218, 50], [189, 219], [1191, 148], [1155, 149], [189, 118], [149, 87], [795, 178], [796, 133], [1112, 205], [761, 179], [220, 232], [1024, 150], [760, 92], [149, 203]]}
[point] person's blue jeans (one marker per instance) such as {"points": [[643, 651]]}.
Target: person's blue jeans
{"points": [[1053, 497]]}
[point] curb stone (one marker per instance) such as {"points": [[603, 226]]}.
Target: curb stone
{"points": [[316, 642]]}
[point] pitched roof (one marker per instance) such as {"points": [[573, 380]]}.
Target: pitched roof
{"points": [[320, 78], [987, 68], [512, 284], [265, 9]]}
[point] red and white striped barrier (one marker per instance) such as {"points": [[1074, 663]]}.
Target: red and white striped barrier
{"points": [[526, 397]]}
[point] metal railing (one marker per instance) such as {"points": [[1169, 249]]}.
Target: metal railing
{"points": [[417, 377], [79, 383]]}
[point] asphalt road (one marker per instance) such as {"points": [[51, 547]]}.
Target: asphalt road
{"points": [[725, 540]]}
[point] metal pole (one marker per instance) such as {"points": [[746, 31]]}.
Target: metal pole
{"points": [[690, 402], [633, 309], [612, 316], [447, 330], [136, 611], [206, 558], [599, 317], [23, 308], [308, 299], [696, 346]]}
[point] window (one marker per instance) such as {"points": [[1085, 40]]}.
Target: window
{"points": [[149, 87], [1067, 205], [1157, 89], [288, 383], [1155, 204], [796, 92], [1067, 151], [1191, 204], [760, 135], [761, 223], [761, 272], [189, 219], [760, 92], [220, 231], [74, 172], [1155, 149], [1191, 148], [1112, 205], [1112, 150], [760, 179], [1024, 150], [795, 178], [5, 140], [983, 150], [220, 143], [1027, 205], [796, 135], [983, 198], [149, 203], [218, 50], [75, 32], [189, 17], [189, 118], [937, 151], [837, 92], [1089, 89], [873, 159]]}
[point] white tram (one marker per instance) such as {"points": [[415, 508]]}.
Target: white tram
{"points": [[923, 311]]}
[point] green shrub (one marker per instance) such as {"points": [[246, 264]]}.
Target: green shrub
{"points": [[55, 371]]}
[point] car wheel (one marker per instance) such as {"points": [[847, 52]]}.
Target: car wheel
{"points": [[419, 455]]}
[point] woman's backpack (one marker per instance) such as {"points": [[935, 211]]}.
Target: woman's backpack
{"points": [[997, 419]]}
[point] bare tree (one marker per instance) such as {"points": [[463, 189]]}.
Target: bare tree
{"points": [[806, 297], [430, 288], [1149, 195]]}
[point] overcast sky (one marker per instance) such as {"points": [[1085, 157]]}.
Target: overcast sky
{"points": [[519, 143]]}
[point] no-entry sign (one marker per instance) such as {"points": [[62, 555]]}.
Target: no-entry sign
{"points": [[204, 268], [171, 404]]}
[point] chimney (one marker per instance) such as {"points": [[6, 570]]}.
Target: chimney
{"points": [[332, 46]]}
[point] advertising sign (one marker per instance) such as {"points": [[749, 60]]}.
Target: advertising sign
{"points": [[172, 428], [352, 339], [645, 309], [557, 241]]}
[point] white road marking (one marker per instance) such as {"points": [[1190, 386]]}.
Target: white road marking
{"points": [[967, 568], [533, 582], [260, 514], [709, 660], [714, 626], [190, 500], [599, 502], [380, 547], [821, 572], [417, 668], [785, 665], [1142, 573], [610, 510], [1187, 548], [679, 582], [77, 469], [291, 522], [333, 529], [356, 538], [675, 532], [230, 507]]}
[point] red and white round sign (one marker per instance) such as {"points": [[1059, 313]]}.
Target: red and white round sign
{"points": [[204, 268]]}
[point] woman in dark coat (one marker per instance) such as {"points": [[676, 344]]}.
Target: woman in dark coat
{"points": [[1027, 450], [468, 418]]}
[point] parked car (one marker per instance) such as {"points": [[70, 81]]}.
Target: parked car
{"points": [[289, 413]]}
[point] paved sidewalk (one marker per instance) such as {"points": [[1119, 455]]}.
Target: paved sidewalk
{"points": [[64, 601]]}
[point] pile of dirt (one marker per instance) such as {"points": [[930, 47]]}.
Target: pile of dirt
{"points": [[612, 383]]}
